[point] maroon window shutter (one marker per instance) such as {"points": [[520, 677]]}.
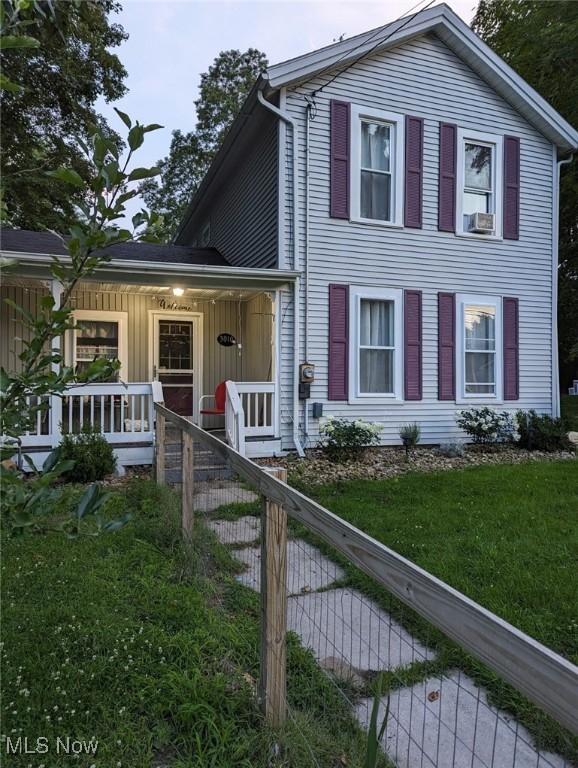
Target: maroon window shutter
{"points": [[412, 345], [446, 346], [511, 187], [338, 365], [340, 130], [413, 171], [510, 311], [447, 177]]}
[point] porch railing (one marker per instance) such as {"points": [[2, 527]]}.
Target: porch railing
{"points": [[259, 405], [234, 418], [124, 413], [250, 411]]}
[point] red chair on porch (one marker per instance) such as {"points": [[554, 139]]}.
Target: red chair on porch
{"points": [[219, 398]]}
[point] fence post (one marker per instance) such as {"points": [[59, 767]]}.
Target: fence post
{"points": [[187, 483], [273, 608], [160, 448]]}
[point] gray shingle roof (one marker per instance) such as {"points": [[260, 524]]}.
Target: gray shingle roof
{"points": [[27, 241]]}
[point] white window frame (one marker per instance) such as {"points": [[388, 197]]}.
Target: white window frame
{"points": [[495, 141], [358, 115], [101, 315], [356, 294], [463, 300]]}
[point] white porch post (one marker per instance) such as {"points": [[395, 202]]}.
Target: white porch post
{"points": [[55, 400]]}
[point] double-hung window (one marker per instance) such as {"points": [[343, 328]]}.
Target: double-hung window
{"points": [[479, 347], [97, 334], [479, 181], [377, 167], [375, 339]]}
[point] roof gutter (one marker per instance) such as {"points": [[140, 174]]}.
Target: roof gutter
{"points": [[282, 115], [135, 267]]}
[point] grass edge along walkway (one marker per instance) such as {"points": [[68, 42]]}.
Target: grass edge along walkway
{"points": [[152, 649]]}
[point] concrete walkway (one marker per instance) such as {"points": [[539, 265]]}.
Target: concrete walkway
{"points": [[444, 722]]}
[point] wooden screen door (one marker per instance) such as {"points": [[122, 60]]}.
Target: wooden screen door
{"points": [[177, 361]]}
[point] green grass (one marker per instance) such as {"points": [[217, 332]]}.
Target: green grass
{"points": [[569, 406], [151, 650], [506, 536]]}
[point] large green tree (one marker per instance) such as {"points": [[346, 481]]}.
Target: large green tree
{"points": [[222, 92], [540, 41], [60, 81]]}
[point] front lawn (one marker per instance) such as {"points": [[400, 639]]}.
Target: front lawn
{"points": [[506, 536], [151, 651]]}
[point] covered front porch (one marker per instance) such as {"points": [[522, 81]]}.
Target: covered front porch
{"points": [[180, 340]]}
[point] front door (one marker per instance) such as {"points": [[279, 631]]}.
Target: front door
{"points": [[176, 355]]}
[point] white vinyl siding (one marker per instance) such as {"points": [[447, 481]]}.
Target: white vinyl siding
{"points": [[425, 79]]}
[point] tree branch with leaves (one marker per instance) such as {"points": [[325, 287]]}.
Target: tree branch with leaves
{"points": [[43, 372]]}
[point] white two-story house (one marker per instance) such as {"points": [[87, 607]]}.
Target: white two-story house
{"points": [[382, 225]]}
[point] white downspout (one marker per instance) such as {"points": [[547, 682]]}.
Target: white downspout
{"points": [[296, 315], [555, 239], [306, 267]]}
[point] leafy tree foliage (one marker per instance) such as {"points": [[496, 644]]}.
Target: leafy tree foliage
{"points": [[223, 90], [43, 371], [50, 101], [539, 40]]}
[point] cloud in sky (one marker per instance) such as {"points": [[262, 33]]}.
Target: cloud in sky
{"points": [[172, 41]]}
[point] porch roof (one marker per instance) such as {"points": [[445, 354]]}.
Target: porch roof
{"points": [[159, 273], [25, 241]]}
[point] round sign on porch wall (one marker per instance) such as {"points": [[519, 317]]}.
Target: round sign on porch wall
{"points": [[226, 339]]}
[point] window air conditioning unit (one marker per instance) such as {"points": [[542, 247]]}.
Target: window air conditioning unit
{"points": [[482, 223]]}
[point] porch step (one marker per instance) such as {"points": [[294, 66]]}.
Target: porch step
{"points": [[263, 447]]}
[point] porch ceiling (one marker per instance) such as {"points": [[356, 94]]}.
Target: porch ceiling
{"points": [[203, 294], [164, 291]]}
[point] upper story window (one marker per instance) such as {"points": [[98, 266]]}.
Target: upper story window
{"points": [[377, 167], [376, 342], [479, 184], [479, 347]]}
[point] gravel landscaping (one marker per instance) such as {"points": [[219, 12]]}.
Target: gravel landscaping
{"points": [[373, 463]]}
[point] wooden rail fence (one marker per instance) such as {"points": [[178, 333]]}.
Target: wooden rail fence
{"points": [[544, 677]]}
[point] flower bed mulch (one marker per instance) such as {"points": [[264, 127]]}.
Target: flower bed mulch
{"points": [[382, 462]]}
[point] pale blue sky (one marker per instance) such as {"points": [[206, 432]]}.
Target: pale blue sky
{"points": [[172, 41]]}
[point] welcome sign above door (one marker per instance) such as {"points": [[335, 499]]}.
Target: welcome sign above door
{"points": [[173, 306]]}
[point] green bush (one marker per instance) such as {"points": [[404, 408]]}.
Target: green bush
{"points": [[345, 440], [410, 435], [542, 433], [92, 455], [485, 425]]}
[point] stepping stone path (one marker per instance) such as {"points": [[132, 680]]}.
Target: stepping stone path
{"points": [[213, 497], [355, 629], [452, 724], [307, 568], [442, 722], [241, 531]]}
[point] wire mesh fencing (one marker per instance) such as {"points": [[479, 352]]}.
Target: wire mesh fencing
{"points": [[358, 675]]}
